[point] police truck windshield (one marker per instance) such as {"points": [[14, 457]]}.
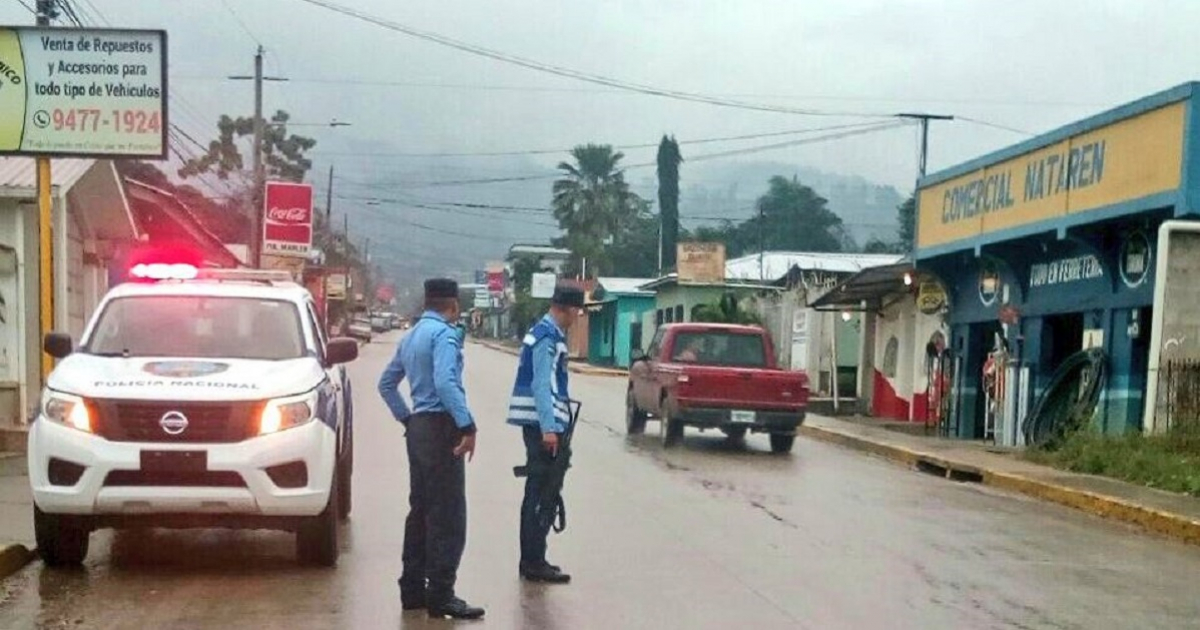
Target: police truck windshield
{"points": [[198, 327]]}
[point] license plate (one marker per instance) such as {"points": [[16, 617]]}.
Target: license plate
{"points": [[174, 461], [742, 417]]}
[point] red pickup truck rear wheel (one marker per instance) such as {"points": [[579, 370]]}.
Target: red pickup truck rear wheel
{"points": [[635, 419], [670, 430], [782, 442]]}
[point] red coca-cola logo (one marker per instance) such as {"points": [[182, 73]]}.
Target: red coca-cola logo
{"points": [[287, 215]]}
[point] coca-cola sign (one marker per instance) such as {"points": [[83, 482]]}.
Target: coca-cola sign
{"points": [[290, 216], [287, 229]]}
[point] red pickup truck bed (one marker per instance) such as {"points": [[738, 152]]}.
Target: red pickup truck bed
{"points": [[715, 376]]}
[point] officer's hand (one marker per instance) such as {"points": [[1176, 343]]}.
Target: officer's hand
{"points": [[550, 442], [466, 447]]}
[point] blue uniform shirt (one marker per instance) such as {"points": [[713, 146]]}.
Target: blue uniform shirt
{"points": [[430, 357]]}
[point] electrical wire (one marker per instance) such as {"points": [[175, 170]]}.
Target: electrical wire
{"points": [[240, 22], [27, 7], [576, 74], [628, 146], [995, 125]]}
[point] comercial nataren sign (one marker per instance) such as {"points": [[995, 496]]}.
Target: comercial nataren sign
{"points": [[1128, 160], [83, 92]]}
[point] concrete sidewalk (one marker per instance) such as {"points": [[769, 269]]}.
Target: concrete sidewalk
{"points": [[16, 515], [1167, 513], [578, 368]]}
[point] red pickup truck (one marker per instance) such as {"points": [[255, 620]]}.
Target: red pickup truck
{"points": [[715, 376]]}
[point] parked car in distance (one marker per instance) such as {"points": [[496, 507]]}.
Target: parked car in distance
{"points": [[360, 328], [715, 376], [380, 323]]}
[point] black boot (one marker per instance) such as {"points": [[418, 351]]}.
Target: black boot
{"points": [[455, 608], [545, 572]]}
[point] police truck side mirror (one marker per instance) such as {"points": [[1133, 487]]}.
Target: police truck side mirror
{"points": [[341, 350], [58, 345]]}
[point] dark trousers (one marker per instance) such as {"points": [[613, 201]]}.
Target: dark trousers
{"points": [[436, 530], [533, 534]]}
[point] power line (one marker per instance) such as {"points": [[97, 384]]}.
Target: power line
{"points": [[27, 7], [995, 125], [98, 15], [241, 23], [644, 145], [575, 74]]}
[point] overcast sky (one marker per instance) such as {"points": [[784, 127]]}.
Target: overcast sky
{"points": [[1026, 64]]}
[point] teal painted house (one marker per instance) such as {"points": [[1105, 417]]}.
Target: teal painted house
{"points": [[615, 315]]}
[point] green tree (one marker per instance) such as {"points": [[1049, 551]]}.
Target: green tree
{"points": [[725, 311], [792, 217], [283, 154], [669, 160], [593, 204], [907, 215]]}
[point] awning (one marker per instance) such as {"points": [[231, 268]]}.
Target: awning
{"points": [[877, 287]]}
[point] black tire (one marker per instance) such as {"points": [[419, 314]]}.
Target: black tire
{"points": [[635, 419], [317, 536], [62, 540], [782, 443], [345, 475], [671, 430], [735, 433]]}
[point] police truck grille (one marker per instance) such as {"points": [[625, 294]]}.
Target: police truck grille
{"points": [[140, 421]]}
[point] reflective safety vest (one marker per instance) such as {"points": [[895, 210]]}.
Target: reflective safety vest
{"points": [[522, 410]]}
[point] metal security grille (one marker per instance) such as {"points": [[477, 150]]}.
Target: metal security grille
{"points": [[138, 421]]}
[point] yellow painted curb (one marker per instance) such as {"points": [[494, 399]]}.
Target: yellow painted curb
{"points": [[13, 558], [1169, 524]]}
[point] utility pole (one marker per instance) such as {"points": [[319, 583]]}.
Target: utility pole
{"points": [[256, 197], [329, 198], [45, 12], [256, 214], [762, 273], [924, 121]]}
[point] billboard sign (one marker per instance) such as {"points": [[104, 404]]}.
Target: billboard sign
{"points": [[543, 285], [495, 282], [83, 92], [335, 286], [287, 229], [701, 262]]}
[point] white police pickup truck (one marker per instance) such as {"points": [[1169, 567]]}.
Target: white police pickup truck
{"points": [[196, 398]]}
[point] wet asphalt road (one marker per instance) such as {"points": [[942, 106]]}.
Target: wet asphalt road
{"points": [[711, 535]]}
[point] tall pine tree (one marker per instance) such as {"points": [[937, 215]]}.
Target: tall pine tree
{"points": [[669, 160]]}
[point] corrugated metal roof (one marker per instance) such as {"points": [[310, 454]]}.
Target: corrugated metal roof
{"points": [[776, 265], [21, 173], [544, 250], [625, 286]]}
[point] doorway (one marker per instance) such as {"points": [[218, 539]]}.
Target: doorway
{"points": [[1062, 336]]}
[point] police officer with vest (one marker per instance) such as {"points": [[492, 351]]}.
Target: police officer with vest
{"points": [[540, 406], [440, 432]]}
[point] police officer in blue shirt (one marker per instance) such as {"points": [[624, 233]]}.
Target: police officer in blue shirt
{"points": [[540, 406], [440, 434]]}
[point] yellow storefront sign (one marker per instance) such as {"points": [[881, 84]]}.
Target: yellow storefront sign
{"points": [[1128, 160]]}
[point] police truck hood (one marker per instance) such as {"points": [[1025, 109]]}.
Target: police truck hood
{"points": [[158, 378]]}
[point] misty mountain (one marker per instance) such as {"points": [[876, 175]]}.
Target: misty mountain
{"points": [[421, 223]]}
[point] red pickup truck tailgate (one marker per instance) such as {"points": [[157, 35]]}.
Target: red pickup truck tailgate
{"points": [[739, 388]]}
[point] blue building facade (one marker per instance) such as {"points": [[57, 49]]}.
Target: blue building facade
{"points": [[1049, 247], [615, 320]]}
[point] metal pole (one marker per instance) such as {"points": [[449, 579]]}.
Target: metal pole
{"points": [[924, 119], [45, 11], [256, 232], [762, 273], [329, 197]]}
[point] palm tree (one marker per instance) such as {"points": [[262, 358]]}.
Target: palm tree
{"points": [[593, 202], [725, 311], [669, 159]]}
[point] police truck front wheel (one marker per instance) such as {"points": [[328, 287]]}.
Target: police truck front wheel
{"points": [[62, 540], [345, 473], [317, 536]]}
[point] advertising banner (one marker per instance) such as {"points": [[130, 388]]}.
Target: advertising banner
{"points": [[83, 92], [701, 262], [287, 228]]}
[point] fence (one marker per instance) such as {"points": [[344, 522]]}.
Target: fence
{"points": [[1179, 396]]}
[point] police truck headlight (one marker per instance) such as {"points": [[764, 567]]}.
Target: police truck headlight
{"points": [[67, 409], [286, 413]]}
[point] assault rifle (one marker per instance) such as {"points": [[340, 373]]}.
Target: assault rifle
{"points": [[551, 510]]}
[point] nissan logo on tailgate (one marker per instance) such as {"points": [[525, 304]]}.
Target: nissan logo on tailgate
{"points": [[173, 423]]}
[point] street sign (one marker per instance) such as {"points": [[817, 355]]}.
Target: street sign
{"points": [[495, 282], [83, 92], [543, 285], [700, 262], [288, 225], [483, 299], [335, 286]]}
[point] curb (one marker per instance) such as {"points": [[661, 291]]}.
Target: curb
{"points": [[577, 369], [1173, 525], [13, 558]]}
